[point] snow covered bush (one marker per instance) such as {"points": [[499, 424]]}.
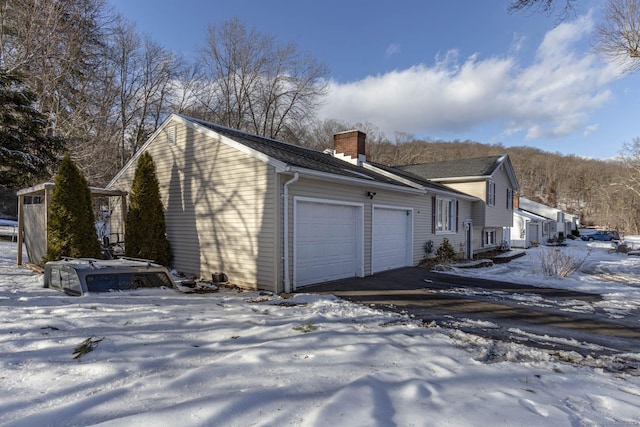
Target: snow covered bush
{"points": [[146, 230], [71, 231], [555, 262]]}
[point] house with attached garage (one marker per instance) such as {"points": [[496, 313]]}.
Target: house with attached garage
{"points": [[528, 229], [556, 220], [277, 216], [492, 181]]}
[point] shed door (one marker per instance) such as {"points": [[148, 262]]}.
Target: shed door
{"points": [[327, 241], [391, 239]]}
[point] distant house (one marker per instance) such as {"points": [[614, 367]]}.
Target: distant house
{"points": [[558, 220], [276, 216], [491, 180], [529, 229]]}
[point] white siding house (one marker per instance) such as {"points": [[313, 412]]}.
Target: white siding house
{"points": [[529, 229], [559, 221]]}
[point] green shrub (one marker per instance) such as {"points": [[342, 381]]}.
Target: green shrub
{"points": [[445, 252], [146, 230], [71, 226]]}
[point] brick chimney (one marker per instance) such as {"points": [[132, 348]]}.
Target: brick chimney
{"points": [[350, 143], [516, 201]]}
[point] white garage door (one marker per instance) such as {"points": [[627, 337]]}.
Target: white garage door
{"points": [[326, 242], [532, 233], [391, 245]]}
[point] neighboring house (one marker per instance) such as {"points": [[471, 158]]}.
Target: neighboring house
{"points": [[276, 216], [491, 180], [559, 221], [529, 229]]}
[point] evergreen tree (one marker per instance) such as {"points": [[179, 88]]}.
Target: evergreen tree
{"points": [[27, 154], [146, 230], [71, 230]]}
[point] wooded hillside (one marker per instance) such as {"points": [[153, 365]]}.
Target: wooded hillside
{"points": [[599, 191], [591, 188]]}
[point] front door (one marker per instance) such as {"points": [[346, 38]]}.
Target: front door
{"points": [[468, 232]]}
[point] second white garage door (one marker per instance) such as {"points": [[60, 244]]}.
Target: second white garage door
{"points": [[391, 238], [327, 242]]}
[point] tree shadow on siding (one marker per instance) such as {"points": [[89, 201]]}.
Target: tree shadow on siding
{"points": [[216, 212]]}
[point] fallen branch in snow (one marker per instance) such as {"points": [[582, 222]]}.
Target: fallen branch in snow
{"points": [[87, 346]]}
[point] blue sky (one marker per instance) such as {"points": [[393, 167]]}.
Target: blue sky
{"points": [[457, 69]]}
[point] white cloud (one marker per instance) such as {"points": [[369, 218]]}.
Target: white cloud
{"points": [[590, 129], [552, 97], [392, 49]]}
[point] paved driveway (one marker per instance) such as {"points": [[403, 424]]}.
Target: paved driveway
{"points": [[541, 317]]}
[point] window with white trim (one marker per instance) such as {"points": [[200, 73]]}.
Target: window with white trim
{"points": [[445, 215], [509, 199], [489, 237], [491, 193]]}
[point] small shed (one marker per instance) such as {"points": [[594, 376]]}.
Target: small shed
{"points": [[33, 216]]}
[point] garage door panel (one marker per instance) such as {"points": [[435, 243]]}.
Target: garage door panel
{"points": [[390, 246], [326, 242]]}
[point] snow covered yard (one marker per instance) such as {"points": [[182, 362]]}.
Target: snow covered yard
{"points": [[616, 276], [240, 358]]}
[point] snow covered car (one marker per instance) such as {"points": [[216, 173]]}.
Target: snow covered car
{"points": [[601, 235], [78, 276]]}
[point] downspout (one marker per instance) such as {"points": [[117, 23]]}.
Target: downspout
{"points": [[287, 280]]}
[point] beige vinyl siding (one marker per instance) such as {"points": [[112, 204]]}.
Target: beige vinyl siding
{"points": [[220, 207], [490, 216], [498, 215], [457, 240], [477, 189]]}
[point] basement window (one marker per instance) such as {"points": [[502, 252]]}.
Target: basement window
{"points": [[489, 237]]}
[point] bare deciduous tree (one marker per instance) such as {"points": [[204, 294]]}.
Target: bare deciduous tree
{"points": [[144, 79], [544, 6], [253, 83], [618, 36]]}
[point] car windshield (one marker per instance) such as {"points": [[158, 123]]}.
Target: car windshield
{"points": [[123, 281]]}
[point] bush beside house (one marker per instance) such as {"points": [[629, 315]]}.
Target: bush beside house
{"points": [[146, 230]]}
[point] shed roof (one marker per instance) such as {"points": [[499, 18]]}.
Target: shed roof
{"points": [[39, 189]]}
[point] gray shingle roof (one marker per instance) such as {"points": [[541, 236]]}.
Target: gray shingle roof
{"points": [[479, 166], [297, 156], [418, 179]]}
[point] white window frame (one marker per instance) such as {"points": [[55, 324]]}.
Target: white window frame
{"points": [[490, 237], [510, 199], [491, 193], [445, 215]]}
